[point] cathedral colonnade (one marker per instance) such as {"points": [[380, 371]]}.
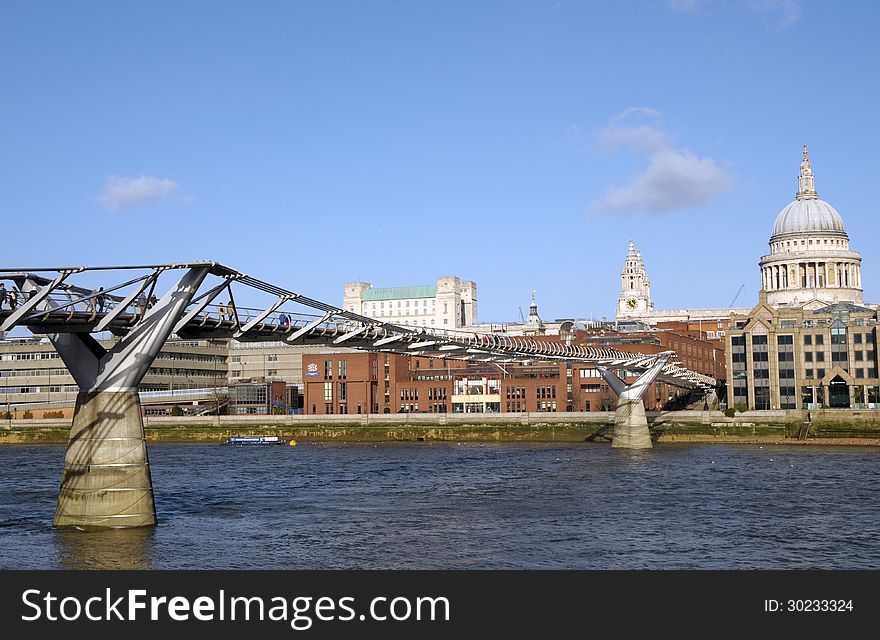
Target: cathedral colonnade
{"points": [[812, 275]]}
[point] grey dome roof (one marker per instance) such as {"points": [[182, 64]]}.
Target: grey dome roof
{"points": [[809, 215]]}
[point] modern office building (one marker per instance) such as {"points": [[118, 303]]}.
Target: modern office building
{"points": [[259, 396], [33, 374], [268, 360]]}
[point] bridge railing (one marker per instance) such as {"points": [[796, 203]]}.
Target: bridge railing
{"points": [[208, 315]]}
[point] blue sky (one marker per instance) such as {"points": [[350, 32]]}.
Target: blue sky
{"points": [[520, 144]]}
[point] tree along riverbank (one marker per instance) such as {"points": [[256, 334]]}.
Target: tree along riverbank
{"points": [[789, 427]]}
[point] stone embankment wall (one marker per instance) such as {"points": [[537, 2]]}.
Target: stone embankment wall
{"points": [[527, 427]]}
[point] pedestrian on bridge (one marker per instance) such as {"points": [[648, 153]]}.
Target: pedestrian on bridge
{"points": [[284, 320], [221, 312], [13, 298], [3, 294], [230, 310], [100, 300]]}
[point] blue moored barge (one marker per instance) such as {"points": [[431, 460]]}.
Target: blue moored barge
{"points": [[254, 440]]}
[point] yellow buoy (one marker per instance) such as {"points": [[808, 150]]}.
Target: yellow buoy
{"points": [[293, 443]]}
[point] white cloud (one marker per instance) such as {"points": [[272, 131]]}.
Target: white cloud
{"points": [[643, 137], [787, 12], [675, 178], [779, 13], [631, 112], [635, 128], [684, 5], [121, 192]]}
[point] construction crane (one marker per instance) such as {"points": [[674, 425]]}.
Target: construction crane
{"points": [[521, 316], [737, 295]]}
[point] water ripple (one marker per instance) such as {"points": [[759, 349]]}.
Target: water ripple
{"points": [[461, 505]]}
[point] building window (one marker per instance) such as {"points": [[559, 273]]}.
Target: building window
{"points": [[328, 368], [762, 398], [328, 392], [343, 368]]}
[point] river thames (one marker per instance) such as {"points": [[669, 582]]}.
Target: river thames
{"points": [[432, 505]]}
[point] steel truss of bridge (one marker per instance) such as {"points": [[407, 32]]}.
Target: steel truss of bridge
{"points": [[57, 305], [106, 480]]}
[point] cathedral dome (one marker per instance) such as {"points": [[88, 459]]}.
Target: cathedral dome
{"points": [[810, 258], [809, 215]]}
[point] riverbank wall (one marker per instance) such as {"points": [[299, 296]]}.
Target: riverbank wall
{"points": [[673, 426]]}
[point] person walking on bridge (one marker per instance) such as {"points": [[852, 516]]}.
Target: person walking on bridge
{"points": [[3, 294], [221, 311], [100, 300]]}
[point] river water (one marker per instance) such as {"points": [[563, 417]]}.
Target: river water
{"points": [[432, 505]]}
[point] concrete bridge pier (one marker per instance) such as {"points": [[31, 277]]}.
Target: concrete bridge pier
{"points": [[106, 482], [630, 422]]}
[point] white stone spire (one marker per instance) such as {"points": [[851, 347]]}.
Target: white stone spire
{"points": [[806, 186], [635, 286]]}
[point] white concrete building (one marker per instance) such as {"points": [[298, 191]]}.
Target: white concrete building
{"points": [[450, 304]]}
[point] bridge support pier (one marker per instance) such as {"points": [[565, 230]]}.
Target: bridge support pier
{"points": [[106, 481], [630, 422]]}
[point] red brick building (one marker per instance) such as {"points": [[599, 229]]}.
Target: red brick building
{"points": [[340, 383], [343, 383]]}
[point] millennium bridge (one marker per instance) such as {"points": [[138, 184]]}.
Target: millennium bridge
{"points": [[106, 480]]}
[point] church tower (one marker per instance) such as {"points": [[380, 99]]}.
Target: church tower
{"points": [[635, 287]]}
